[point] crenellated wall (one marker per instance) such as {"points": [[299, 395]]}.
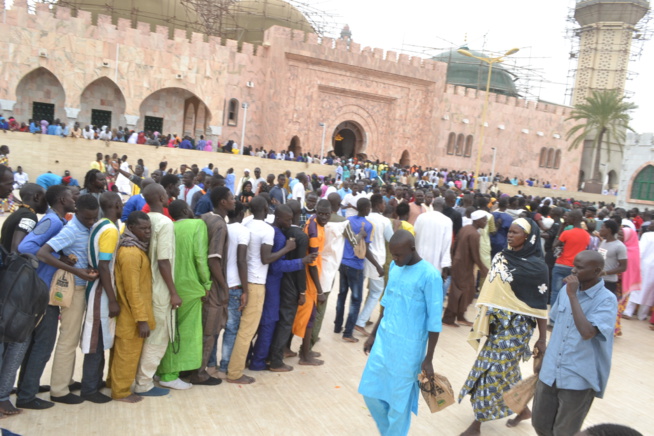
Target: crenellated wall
{"points": [[398, 105]]}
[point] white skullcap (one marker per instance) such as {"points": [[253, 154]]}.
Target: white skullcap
{"points": [[477, 215]]}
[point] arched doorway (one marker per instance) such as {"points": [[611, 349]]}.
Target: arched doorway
{"points": [[174, 111], [40, 96], [405, 160], [348, 140], [295, 147], [102, 104], [613, 180]]}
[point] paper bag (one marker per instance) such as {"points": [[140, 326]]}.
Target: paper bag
{"points": [[521, 394], [62, 288], [437, 392]]}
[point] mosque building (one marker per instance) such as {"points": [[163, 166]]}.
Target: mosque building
{"points": [[259, 74]]}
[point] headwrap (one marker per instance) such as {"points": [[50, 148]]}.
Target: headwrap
{"points": [[129, 239], [517, 282]]}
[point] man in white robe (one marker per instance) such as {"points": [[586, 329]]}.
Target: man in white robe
{"points": [[434, 237]]}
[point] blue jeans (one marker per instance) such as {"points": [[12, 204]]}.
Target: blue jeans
{"points": [[446, 286], [351, 278], [11, 356], [38, 354], [559, 272], [375, 289], [231, 329]]}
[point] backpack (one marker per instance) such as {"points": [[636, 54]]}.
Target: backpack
{"points": [[23, 296]]}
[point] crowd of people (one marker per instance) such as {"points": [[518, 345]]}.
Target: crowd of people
{"points": [[193, 253], [347, 167]]}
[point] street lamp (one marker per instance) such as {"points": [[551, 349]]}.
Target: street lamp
{"points": [[490, 62], [245, 120], [322, 146]]}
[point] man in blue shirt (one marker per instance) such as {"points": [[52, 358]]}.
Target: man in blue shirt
{"points": [[71, 240], [278, 193], [345, 189], [204, 204], [61, 202], [578, 359], [135, 202], [351, 271]]}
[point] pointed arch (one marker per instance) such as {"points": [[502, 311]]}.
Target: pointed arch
{"points": [[468, 150], [102, 103], [451, 140], [405, 159], [542, 161], [550, 158], [168, 107], [40, 94], [642, 184], [460, 144], [557, 159]]}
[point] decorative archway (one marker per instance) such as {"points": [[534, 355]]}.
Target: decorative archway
{"points": [[102, 103], [641, 187], [405, 160], [613, 180], [175, 110], [348, 139], [40, 94], [295, 146], [460, 140], [543, 157]]}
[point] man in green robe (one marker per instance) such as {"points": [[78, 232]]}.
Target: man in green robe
{"points": [[192, 281]]}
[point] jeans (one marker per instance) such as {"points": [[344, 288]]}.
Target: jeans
{"points": [[351, 278], [11, 356], [446, 286], [559, 272], [37, 356], [375, 289], [231, 328], [93, 368]]}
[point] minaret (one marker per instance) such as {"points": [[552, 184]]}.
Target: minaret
{"points": [[607, 28]]}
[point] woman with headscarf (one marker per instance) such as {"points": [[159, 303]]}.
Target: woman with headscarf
{"points": [[209, 145], [512, 302], [632, 296]]}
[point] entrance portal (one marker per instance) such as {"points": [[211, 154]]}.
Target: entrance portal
{"points": [[348, 140], [295, 147]]}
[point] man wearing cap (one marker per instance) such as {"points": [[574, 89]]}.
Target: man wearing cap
{"points": [[465, 256]]}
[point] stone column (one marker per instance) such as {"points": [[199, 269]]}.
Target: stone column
{"points": [[213, 134]]}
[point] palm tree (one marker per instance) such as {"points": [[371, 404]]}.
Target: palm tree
{"points": [[604, 114]]}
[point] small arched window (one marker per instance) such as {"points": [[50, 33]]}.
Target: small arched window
{"points": [[550, 158], [468, 150], [460, 144], [543, 157], [232, 112], [643, 185], [451, 139], [557, 159]]}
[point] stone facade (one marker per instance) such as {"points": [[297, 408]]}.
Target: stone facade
{"points": [[395, 107], [638, 155]]}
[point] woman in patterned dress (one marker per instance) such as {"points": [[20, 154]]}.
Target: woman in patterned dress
{"points": [[512, 302]]}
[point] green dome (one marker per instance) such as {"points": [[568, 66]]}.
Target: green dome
{"points": [[473, 73]]}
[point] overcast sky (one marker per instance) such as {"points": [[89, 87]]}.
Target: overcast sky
{"points": [[538, 29]]}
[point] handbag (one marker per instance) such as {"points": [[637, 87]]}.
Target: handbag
{"points": [[62, 288], [437, 391]]}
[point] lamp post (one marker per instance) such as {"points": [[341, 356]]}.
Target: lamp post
{"points": [[245, 121], [490, 62], [322, 145], [492, 178]]}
